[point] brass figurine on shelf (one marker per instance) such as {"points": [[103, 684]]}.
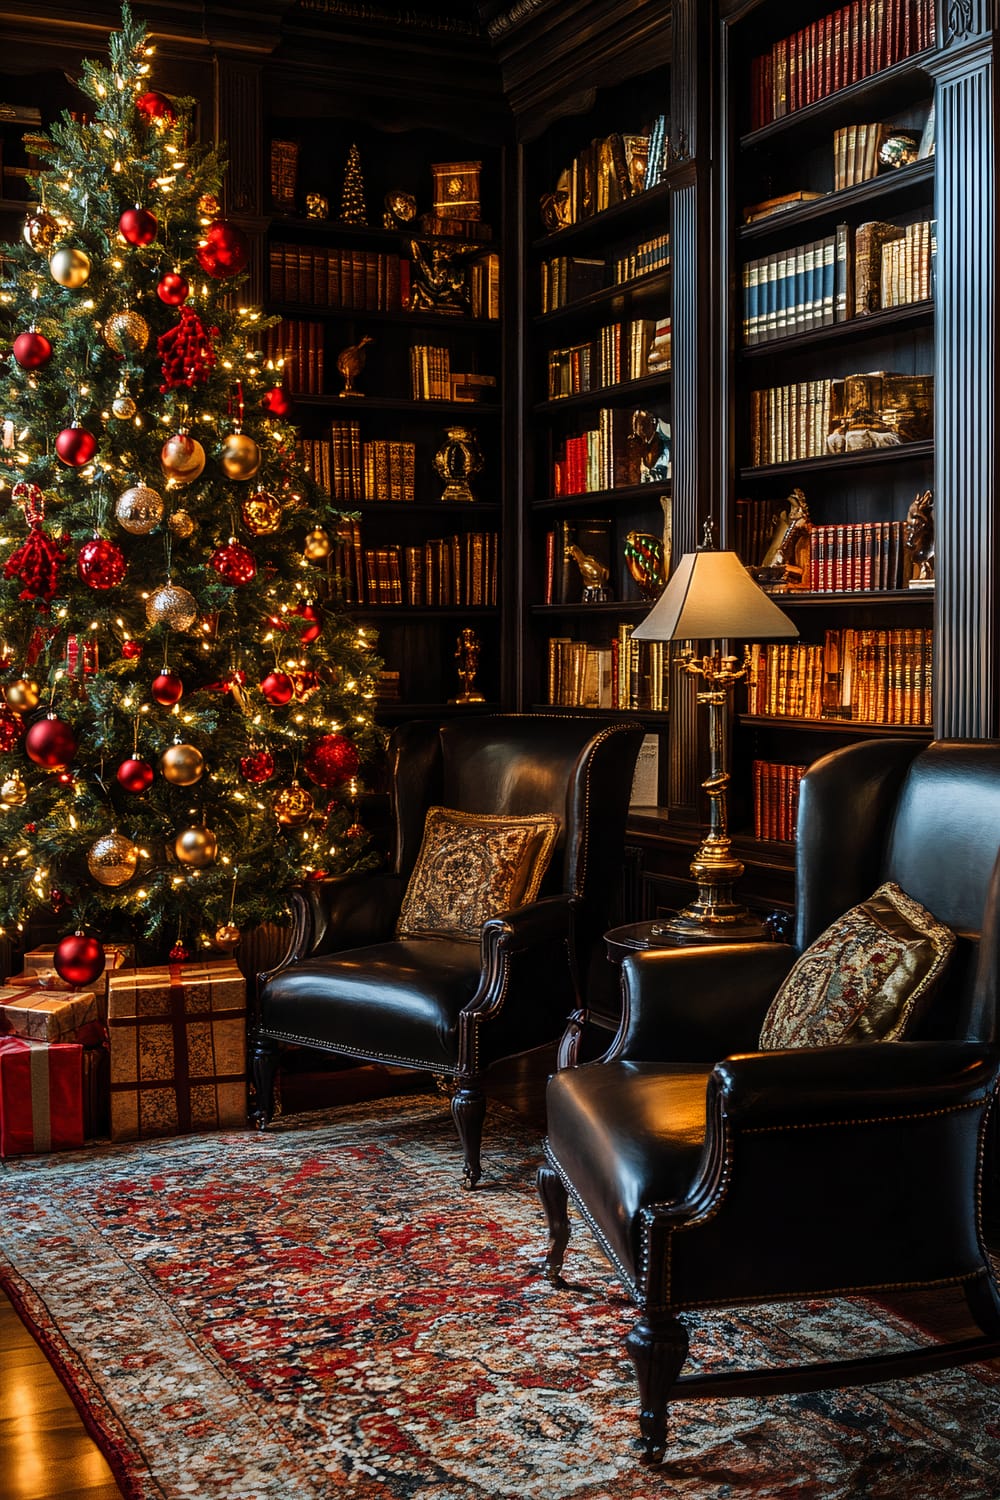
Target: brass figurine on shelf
{"points": [[457, 460], [649, 440], [467, 656], [786, 560], [317, 207], [399, 209], [350, 363], [646, 561], [593, 573], [440, 279], [918, 534]]}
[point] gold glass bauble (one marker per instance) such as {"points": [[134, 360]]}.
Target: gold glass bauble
{"points": [[182, 458], [40, 230], [126, 333], [22, 695], [240, 456], [317, 544], [293, 806], [112, 859], [261, 513], [138, 510], [14, 792], [69, 267], [124, 408], [181, 524], [196, 846], [227, 935], [171, 606], [182, 764]]}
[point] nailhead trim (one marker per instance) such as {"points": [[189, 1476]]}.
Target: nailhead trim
{"points": [[928, 1114]]}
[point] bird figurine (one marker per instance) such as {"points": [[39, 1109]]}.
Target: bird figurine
{"points": [[350, 363], [593, 573], [644, 560]]}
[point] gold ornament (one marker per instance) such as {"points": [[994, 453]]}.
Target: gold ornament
{"points": [[355, 831], [208, 204], [182, 764], [317, 545], [261, 513], [69, 267], [182, 457], [124, 408], [240, 457], [227, 935], [40, 230], [293, 806], [171, 606], [126, 333], [196, 846], [112, 859], [14, 792], [138, 510], [23, 695], [181, 524]]}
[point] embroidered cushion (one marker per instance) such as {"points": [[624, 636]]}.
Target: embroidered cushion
{"points": [[867, 978], [472, 866]]}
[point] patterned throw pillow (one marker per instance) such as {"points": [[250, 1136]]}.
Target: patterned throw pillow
{"points": [[472, 866], [865, 979]]}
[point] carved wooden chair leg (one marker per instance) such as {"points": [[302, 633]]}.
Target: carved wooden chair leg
{"points": [[658, 1347], [555, 1202], [264, 1066], [468, 1110]]}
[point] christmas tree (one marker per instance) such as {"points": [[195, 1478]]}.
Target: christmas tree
{"points": [[352, 197], [185, 714]]}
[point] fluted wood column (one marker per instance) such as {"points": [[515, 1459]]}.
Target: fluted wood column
{"points": [[239, 132]]}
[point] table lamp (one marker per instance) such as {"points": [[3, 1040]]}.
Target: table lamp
{"points": [[711, 597]]}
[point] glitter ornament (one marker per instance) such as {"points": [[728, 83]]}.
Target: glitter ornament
{"points": [[240, 456], [78, 959], [317, 544], [173, 289], [331, 760], [136, 776], [171, 606], [276, 402], [126, 333], [234, 563], [179, 953], [225, 250], [278, 688], [124, 408], [182, 764], [100, 564], [40, 231], [138, 510], [75, 446], [257, 767], [208, 205], [156, 108], [11, 730], [13, 792], [196, 846], [182, 458], [23, 695], [138, 226], [50, 743], [112, 859], [69, 267], [261, 513], [167, 689], [32, 350], [181, 524], [293, 806], [227, 936], [131, 650]]}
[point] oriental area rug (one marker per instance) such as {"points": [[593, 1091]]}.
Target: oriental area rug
{"points": [[321, 1312]]}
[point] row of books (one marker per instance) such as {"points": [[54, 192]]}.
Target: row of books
{"points": [[657, 152], [433, 379], [617, 352], [848, 44], [606, 457], [865, 676], [296, 347], [439, 571], [853, 413], [624, 674], [336, 464], [859, 557], [373, 280], [568, 278], [647, 257], [606, 172], [908, 260], [855, 154], [775, 799]]}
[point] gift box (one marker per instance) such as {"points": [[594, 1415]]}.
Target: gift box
{"points": [[116, 956], [41, 1096], [178, 1049], [41, 1014]]}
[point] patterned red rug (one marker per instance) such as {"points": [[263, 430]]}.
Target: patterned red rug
{"points": [[321, 1312]]}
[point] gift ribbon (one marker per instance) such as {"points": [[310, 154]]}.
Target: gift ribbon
{"points": [[41, 1118]]}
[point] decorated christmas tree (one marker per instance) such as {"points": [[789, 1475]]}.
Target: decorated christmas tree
{"points": [[352, 197], [186, 715]]}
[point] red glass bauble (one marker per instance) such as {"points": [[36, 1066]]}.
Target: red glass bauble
{"points": [[331, 760], [79, 959], [278, 688], [75, 446], [32, 350], [314, 622], [50, 743], [138, 226], [172, 289], [157, 108], [101, 564], [131, 650], [136, 776], [225, 252], [257, 766], [167, 689], [11, 730], [179, 953], [276, 402], [234, 563]]}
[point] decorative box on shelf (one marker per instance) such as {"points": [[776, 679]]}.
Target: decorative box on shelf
{"points": [[456, 189]]}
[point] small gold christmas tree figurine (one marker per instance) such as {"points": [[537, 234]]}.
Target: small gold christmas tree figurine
{"points": [[352, 198]]}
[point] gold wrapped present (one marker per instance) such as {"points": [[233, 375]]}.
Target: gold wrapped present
{"points": [[40, 1014], [178, 1049], [116, 956]]}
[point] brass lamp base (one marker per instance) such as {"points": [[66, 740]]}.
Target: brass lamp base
{"points": [[713, 916]]}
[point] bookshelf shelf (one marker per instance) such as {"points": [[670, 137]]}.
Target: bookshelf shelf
{"points": [[376, 315], [888, 92], [850, 331], [909, 597], [359, 405], [900, 189], [610, 299], [621, 496], [640, 211], [633, 608], [858, 730], [606, 395], [425, 508], [868, 458], [424, 611]]}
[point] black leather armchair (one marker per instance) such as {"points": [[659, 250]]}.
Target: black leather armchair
{"points": [[712, 1173], [446, 1006]]}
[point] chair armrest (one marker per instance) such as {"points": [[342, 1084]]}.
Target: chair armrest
{"points": [[527, 926], [695, 1004], [873, 1080], [343, 911]]}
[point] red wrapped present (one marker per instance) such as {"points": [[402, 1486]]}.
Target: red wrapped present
{"points": [[41, 1096], [43, 1015]]}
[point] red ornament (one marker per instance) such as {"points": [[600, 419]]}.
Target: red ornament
{"points": [[131, 650], [11, 730], [278, 688], [36, 562], [314, 622], [75, 446], [138, 226], [185, 351], [234, 563], [331, 760], [32, 350], [101, 564], [136, 776], [167, 689], [225, 252], [258, 766], [156, 108], [50, 743], [276, 402], [179, 953], [172, 289], [79, 959]]}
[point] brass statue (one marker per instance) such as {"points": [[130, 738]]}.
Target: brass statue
{"points": [[350, 363], [467, 656], [317, 207], [594, 575], [786, 560], [400, 209], [441, 278], [919, 537], [646, 562]]}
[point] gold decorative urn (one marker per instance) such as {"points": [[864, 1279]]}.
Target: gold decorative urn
{"points": [[457, 460]]}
